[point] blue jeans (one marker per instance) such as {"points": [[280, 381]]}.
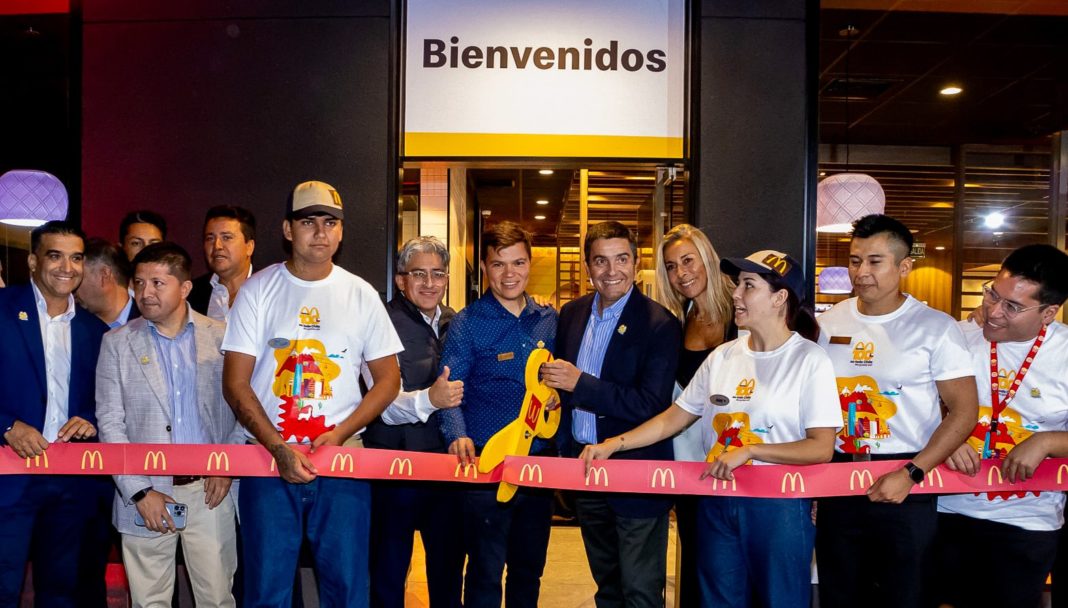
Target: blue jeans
{"points": [[755, 547], [276, 515], [515, 533]]}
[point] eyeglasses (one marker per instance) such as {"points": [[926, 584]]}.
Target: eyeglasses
{"points": [[435, 276], [1011, 309]]}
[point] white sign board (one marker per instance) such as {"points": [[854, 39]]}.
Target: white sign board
{"points": [[545, 78]]}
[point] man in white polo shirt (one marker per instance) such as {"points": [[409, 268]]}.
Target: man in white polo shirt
{"points": [[894, 358], [1020, 359]]}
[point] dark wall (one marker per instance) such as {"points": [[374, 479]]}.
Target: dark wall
{"points": [[756, 127], [192, 104]]}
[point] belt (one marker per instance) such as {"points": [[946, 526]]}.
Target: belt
{"points": [[843, 457], [184, 480]]}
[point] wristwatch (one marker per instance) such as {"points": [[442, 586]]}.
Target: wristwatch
{"points": [[136, 498], [916, 474]]}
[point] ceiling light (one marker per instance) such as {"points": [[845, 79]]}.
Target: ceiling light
{"points": [[940, 248], [542, 202], [31, 198], [834, 280], [539, 217], [844, 198], [994, 220], [546, 171], [951, 90]]}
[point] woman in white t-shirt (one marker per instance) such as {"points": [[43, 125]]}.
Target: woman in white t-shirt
{"points": [[768, 397]]}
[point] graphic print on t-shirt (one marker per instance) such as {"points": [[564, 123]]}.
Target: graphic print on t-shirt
{"points": [[866, 412], [1011, 431], [302, 378], [732, 432]]}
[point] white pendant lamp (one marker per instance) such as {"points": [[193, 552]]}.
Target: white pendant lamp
{"points": [[834, 280], [844, 198], [31, 198]]}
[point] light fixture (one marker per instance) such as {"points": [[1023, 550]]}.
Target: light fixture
{"points": [[542, 201], [995, 219], [951, 90], [834, 280], [846, 197], [545, 171], [31, 198], [539, 217], [940, 248]]}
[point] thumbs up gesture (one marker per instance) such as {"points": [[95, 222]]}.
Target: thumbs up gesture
{"points": [[445, 393]]}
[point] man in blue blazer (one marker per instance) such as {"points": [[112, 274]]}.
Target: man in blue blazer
{"points": [[47, 371], [616, 354]]}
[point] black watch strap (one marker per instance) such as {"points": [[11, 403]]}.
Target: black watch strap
{"points": [[915, 472], [136, 498]]}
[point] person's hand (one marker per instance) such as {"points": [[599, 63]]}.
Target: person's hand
{"points": [[964, 460], [541, 300], [76, 428], [893, 487], [464, 449], [552, 403], [293, 466], [560, 374], [25, 440], [978, 316], [445, 393], [153, 509], [215, 490], [332, 437], [724, 464], [1023, 459], [600, 451]]}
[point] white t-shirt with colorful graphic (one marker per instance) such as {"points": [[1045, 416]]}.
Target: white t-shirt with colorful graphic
{"points": [[1040, 404], [309, 339], [747, 397], [887, 366]]}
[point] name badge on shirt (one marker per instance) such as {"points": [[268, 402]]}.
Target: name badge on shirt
{"points": [[841, 340], [505, 356]]}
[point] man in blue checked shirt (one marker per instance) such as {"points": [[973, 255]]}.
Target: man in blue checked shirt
{"points": [[487, 348], [616, 352]]}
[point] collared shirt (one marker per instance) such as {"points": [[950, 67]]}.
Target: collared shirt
{"points": [[124, 316], [411, 406], [219, 302], [55, 337], [591, 357], [487, 347], [178, 362]]}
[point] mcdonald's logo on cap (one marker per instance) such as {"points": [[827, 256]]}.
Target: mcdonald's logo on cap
{"points": [[159, 460], [716, 482], [1060, 472], [795, 479], [528, 471], [219, 460], [400, 464], [935, 477], [94, 459], [860, 479], [344, 459], [468, 469], [595, 474], [776, 263], [37, 460], [990, 475], [665, 476]]}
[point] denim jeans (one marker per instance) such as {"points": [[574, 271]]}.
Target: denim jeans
{"points": [[276, 515], [755, 548]]}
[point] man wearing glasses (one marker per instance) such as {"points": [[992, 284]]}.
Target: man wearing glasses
{"points": [[895, 358], [398, 509], [1020, 357]]}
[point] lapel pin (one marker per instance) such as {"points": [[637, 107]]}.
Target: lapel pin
{"points": [[622, 330], [144, 359], [1035, 393], [23, 316]]}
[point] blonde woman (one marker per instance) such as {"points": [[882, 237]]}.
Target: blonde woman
{"points": [[690, 285]]}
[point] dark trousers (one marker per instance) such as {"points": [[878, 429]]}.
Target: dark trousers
{"points": [[516, 534], [398, 509], [1059, 588], [100, 537], [46, 526], [875, 554], [988, 563], [627, 555], [687, 587]]}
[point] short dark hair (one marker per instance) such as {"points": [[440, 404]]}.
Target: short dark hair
{"points": [[871, 225], [54, 227], [502, 235], [1042, 264], [143, 216], [103, 251], [233, 212], [169, 254], [609, 230]]}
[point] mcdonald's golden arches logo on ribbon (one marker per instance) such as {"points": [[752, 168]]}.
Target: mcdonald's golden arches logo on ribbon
{"points": [[860, 479], [344, 460], [935, 477], [666, 477], [468, 469], [159, 460], [1060, 472], [1001, 479], [595, 473], [716, 483], [795, 479], [94, 459], [529, 471], [37, 460], [219, 460], [401, 465]]}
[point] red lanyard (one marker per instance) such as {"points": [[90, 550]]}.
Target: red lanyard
{"points": [[996, 404]]}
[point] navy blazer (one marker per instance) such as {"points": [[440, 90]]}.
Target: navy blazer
{"points": [[636, 383], [22, 370]]}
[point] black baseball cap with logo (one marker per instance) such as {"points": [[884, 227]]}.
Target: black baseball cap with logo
{"points": [[314, 198], [766, 262]]}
